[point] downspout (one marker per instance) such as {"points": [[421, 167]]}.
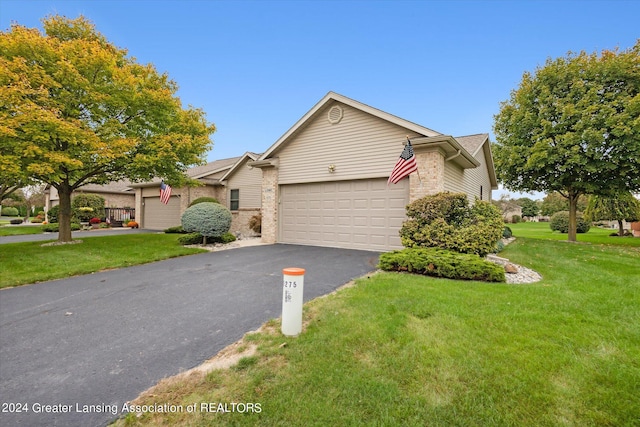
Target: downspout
{"points": [[453, 156]]}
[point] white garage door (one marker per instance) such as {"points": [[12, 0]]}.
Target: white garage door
{"points": [[361, 214], [158, 216]]}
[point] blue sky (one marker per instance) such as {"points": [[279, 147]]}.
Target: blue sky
{"points": [[256, 67]]}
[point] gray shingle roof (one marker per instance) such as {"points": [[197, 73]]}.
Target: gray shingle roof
{"points": [[472, 143]]}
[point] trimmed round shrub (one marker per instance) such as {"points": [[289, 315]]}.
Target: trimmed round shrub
{"points": [[507, 233], [560, 222], [15, 221], [207, 218], [204, 200], [446, 221], [10, 211]]}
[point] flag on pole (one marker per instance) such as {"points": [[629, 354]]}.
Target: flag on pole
{"points": [[406, 164], [165, 192]]}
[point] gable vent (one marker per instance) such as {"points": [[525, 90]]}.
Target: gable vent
{"points": [[335, 114]]}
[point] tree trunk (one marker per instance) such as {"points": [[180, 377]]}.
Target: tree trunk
{"points": [[64, 217], [620, 228], [573, 208]]}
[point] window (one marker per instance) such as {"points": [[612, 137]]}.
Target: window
{"points": [[234, 200]]}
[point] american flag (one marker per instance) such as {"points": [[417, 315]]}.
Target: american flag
{"points": [[165, 192], [405, 165]]}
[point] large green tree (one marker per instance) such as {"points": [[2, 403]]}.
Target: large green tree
{"points": [[622, 207], [76, 110], [573, 127]]}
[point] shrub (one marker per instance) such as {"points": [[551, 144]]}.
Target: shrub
{"points": [[225, 238], [442, 263], [53, 213], [10, 211], [94, 220], [175, 230], [560, 222], [446, 221], [54, 228], [37, 220], [507, 233], [93, 201], [204, 200], [132, 224], [516, 219], [15, 221], [208, 219], [255, 223], [191, 239]]}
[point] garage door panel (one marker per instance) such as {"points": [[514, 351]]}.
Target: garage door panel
{"points": [[362, 214], [158, 216]]}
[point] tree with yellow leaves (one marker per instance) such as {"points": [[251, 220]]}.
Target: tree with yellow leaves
{"points": [[77, 110]]}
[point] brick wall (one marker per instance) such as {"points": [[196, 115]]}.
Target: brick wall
{"points": [[431, 171], [269, 205], [240, 221]]}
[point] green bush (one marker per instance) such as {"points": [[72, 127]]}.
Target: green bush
{"points": [[53, 213], [204, 200], [560, 222], [446, 221], [208, 219], [93, 201], [15, 221], [507, 233], [197, 238], [54, 228], [442, 263], [516, 219], [191, 239], [10, 211], [36, 220], [175, 230]]}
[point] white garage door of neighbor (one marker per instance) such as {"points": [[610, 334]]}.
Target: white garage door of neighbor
{"points": [[360, 214], [158, 216]]}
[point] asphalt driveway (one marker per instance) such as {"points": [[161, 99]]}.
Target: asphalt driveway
{"points": [[103, 338]]}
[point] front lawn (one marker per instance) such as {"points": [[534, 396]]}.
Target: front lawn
{"points": [[19, 230], [541, 230], [399, 349], [29, 262]]}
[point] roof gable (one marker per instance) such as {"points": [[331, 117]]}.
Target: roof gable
{"points": [[331, 97], [246, 156]]}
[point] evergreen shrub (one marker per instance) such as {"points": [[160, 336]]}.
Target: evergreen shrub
{"points": [[442, 263], [10, 211], [204, 200], [209, 219], [560, 222], [446, 221]]}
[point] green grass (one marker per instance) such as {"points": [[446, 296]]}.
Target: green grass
{"points": [[399, 349], [29, 262], [541, 230], [19, 230]]}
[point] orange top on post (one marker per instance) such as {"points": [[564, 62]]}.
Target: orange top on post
{"points": [[293, 271]]}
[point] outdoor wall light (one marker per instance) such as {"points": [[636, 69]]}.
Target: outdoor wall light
{"points": [[332, 168]]}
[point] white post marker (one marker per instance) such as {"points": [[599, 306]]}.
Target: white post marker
{"points": [[292, 290]]}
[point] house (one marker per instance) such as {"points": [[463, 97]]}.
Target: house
{"points": [[230, 181], [324, 182]]}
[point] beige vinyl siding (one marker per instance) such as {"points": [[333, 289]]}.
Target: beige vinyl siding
{"points": [[360, 146], [474, 178], [249, 182], [453, 178]]}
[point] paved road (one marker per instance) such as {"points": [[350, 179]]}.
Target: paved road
{"points": [[75, 235], [103, 338]]}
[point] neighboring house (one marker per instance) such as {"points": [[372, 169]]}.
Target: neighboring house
{"points": [[116, 194], [230, 181], [324, 182]]}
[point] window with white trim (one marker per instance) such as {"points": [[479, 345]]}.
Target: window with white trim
{"points": [[234, 200]]}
